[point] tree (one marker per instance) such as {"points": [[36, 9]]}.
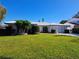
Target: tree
{"points": [[2, 13], [43, 20], [19, 26], [63, 21], [45, 29], [76, 15], [26, 26], [34, 29], [22, 26]]}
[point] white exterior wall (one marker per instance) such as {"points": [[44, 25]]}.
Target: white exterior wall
{"points": [[41, 28], [49, 28], [58, 28]]}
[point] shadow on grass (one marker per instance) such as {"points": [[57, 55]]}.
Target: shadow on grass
{"points": [[60, 35], [4, 57], [75, 40]]}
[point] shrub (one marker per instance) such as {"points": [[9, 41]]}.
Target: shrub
{"points": [[53, 31], [10, 31], [66, 31], [7, 31], [75, 30], [33, 30], [45, 29]]}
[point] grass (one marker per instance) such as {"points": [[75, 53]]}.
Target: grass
{"points": [[40, 46]]}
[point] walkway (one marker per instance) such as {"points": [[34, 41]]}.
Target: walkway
{"points": [[76, 35]]}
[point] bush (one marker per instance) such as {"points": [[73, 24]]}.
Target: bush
{"points": [[34, 29], [6, 32], [9, 30], [66, 31], [53, 31], [75, 30], [45, 29]]}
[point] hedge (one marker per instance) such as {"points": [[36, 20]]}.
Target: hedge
{"points": [[53, 31], [33, 30], [45, 29], [75, 30]]}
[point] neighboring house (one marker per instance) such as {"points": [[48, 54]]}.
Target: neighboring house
{"points": [[74, 21], [3, 29], [2, 26], [11, 23]]}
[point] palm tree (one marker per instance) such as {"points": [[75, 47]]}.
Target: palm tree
{"points": [[43, 19], [2, 12], [22, 26], [19, 26], [26, 25]]}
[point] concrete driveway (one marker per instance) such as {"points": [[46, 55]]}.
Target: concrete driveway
{"points": [[67, 34]]}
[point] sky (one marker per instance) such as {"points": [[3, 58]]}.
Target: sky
{"points": [[34, 10]]}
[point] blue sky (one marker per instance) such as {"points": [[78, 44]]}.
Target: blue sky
{"points": [[34, 10]]}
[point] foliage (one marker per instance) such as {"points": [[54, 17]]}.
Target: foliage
{"points": [[66, 31], [7, 31], [53, 31], [45, 29], [19, 24], [76, 15], [23, 25], [40, 46], [34, 29], [2, 13], [75, 30], [10, 31], [26, 24], [63, 21]]}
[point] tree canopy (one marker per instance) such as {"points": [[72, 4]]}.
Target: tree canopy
{"points": [[76, 15], [2, 12], [23, 25], [63, 21]]}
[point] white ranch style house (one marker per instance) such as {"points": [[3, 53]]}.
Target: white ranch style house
{"points": [[59, 28]]}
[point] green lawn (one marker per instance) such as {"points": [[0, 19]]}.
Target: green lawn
{"points": [[40, 46]]}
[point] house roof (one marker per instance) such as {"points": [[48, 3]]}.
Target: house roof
{"points": [[10, 22], [74, 21], [38, 23], [45, 23]]}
